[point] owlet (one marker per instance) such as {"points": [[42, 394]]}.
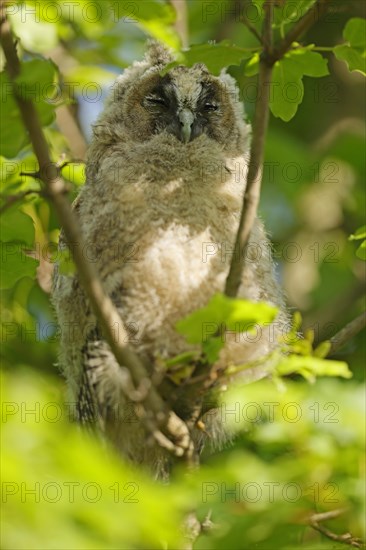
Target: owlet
{"points": [[166, 174]]}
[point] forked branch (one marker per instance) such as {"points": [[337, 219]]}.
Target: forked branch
{"points": [[269, 56], [346, 538]]}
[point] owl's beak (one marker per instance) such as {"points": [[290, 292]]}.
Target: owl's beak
{"points": [[186, 119]]}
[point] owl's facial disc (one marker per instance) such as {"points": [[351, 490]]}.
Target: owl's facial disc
{"points": [[184, 106]]}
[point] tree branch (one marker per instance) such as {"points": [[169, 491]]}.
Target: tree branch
{"points": [[346, 333], [68, 126], [346, 538], [156, 413], [252, 192], [300, 28], [181, 23], [65, 114], [251, 28]]}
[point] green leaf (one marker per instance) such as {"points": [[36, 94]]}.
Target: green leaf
{"points": [[74, 172], [92, 18], [12, 133], [308, 62], [36, 455], [35, 34], [355, 60], [152, 16], [251, 67], [359, 234], [10, 175], [223, 312], [322, 349], [353, 53], [361, 251], [302, 346], [287, 90], [16, 226], [287, 86], [212, 347], [182, 359], [15, 264], [355, 32], [36, 82], [36, 71], [215, 56], [311, 367]]}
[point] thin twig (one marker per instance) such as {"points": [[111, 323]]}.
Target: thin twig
{"points": [[346, 538], [156, 416], [346, 333], [251, 28], [321, 320], [323, 516], [301, 27]]}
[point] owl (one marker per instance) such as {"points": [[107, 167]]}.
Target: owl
{"points": [[159, 213]]}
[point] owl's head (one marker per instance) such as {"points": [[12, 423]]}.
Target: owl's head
{"points": [[186, 102]]}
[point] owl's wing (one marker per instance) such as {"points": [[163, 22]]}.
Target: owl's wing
{"points": [[100, 398]]}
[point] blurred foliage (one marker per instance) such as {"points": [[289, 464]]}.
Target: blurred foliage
{"points": [[313, 205], [353, 52], [223, 314], [360, 235], [83, 497], [296, 450]]}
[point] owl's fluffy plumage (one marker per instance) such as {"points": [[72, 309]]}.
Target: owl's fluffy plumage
{"points": [[166, 174]]}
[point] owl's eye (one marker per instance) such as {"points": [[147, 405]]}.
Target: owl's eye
{"points": [[156, 100], [210, 107]]}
